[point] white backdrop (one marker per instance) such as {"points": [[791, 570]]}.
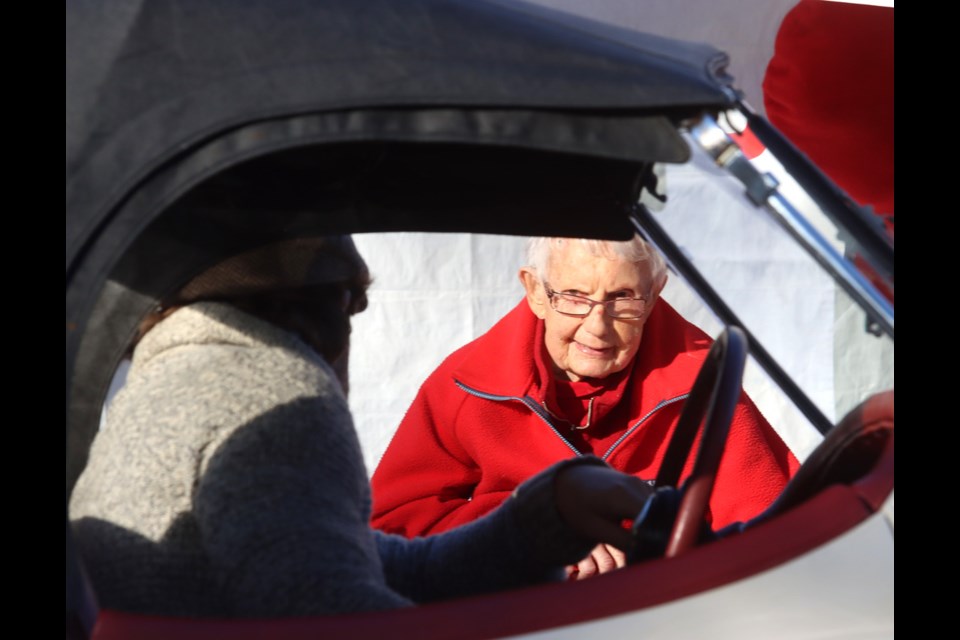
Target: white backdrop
{"points": [[431, 294]]}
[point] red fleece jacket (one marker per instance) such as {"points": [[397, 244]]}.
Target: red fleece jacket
{"points": [[476, 430]]}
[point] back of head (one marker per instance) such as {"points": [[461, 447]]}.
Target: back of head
{"points": [[287, 265], [309, 286]]}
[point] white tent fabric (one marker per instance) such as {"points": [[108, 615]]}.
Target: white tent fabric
{"points": [[431, 294]]}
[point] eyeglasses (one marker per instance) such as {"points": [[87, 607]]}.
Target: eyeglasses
{"points": [[570, 304]]}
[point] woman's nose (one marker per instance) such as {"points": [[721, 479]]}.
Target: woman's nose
{"points": [[597, 320]]}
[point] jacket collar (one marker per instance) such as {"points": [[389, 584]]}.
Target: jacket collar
{"points": [[580, 404]]}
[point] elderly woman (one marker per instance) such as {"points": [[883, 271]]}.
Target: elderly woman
{"points": [[591, 362], [228, 480]]}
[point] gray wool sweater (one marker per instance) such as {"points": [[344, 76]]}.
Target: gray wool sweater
{"points": [[228, 480]]}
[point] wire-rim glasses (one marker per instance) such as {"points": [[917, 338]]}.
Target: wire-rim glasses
{"points": [[571, 304]]}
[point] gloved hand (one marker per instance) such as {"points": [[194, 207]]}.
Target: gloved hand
{"points": [[600, 503]]}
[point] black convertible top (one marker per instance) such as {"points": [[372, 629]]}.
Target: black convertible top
{"points": [[199, 129], [149, 80]]}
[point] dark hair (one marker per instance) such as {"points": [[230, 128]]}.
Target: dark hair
{"points": [[318, 314], [309, 286]]}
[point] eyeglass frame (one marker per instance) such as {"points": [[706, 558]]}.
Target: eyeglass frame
{"points": [[606, 304]]}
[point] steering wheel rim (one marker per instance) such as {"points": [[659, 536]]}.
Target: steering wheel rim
{"points": [[850, 451], [712, 401]]}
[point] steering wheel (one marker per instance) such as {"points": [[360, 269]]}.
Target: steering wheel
{"points": [[850, 451], [674, 517]]}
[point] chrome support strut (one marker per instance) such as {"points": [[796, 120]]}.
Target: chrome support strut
{"points": [[763, 190]]}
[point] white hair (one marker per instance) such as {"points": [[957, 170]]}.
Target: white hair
{"points": [[634, 250]]}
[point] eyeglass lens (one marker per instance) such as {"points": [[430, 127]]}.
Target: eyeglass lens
{"points": [[578, 306]]}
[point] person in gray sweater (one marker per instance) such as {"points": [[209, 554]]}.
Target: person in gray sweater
{"points": [[228, 480]]}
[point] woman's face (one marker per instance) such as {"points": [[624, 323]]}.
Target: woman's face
{"points": [[596, 345]]}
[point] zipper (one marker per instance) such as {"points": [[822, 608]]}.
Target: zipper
{"points": [[543, 415], [527, 400], [626, 434]]}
